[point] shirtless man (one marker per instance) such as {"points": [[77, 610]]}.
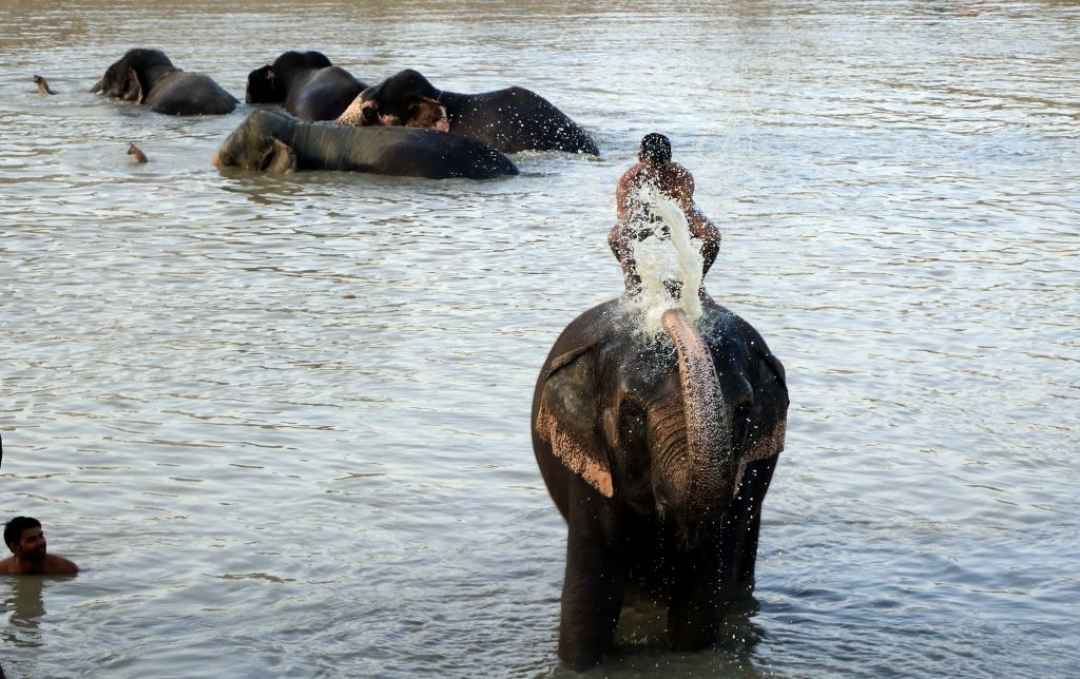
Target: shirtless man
{"points": [[26, 541], [654, 167]]}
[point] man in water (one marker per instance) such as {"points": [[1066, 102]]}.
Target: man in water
{"points": [[636, 220], [26, 541]]}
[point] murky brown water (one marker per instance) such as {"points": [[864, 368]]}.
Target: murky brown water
{"points": [[283, 423]]}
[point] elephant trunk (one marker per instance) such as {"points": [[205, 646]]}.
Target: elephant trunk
{"points": [[706, 481]]}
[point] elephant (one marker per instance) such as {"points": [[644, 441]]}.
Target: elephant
{"points": [[510, 120], [309, 86], [657, 451], [146, 76], [271, 141]]}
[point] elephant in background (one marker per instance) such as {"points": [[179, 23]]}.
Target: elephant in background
{"points": [[270, 141], [147, 77], [310, 87], [658, 452], [510, 120]]}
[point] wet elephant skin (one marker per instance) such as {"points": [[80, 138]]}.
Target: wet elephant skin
{"points": [[269, 140]]}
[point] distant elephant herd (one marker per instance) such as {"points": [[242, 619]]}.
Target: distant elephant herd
{"points": [[402, 126], [657, 450]]}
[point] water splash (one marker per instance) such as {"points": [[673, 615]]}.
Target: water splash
{"points": [[667, 255]]}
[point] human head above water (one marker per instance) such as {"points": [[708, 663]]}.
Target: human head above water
{"points": [[655, 149], [14, 529]]}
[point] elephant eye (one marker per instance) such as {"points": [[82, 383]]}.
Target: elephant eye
{"points": [[632, 421]]}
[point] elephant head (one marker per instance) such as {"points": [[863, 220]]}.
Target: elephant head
{"points": [[406, 98], [666, 424], [131, 77], [269, 84], [256, 146], [264, 87]]}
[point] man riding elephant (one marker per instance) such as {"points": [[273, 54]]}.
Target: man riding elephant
{"points": [[637, 220]]}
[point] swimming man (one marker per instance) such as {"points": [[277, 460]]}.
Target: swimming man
{"points": [[26, 541]]}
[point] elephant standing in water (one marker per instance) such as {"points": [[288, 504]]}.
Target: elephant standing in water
{"points": [[270, 141], [310, 87], [510, 120], [146, 76], [658, 452]]}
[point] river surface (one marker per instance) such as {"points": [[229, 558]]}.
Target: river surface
{"points": [[283, 423]]}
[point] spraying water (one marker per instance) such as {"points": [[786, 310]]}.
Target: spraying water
{"points": [[668, 254]]}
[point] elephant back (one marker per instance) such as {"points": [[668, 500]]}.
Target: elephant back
{"points": [[184, 93], [426, 153]]}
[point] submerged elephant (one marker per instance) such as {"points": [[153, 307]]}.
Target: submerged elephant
{"points": [[510, 120], [658, 453], [269, 141], [146, 76], [310, 87]]}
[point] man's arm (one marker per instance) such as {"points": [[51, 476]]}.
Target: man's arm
{"points": [[682, 187], [706, 231], [700, 226], [627, 183], [620, 240]]}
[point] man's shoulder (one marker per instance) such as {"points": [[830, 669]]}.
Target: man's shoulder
{"points": [[7, 566], [631, 173], [677, 170], [58, 565]]}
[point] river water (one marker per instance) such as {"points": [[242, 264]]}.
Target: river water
{"points": [[283, 423]]}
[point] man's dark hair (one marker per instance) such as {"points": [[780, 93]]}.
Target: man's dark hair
{"points": [[14, 529], [655, 148]]}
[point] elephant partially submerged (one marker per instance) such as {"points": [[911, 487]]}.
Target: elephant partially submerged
{"points": [[147, 77], [658, 451], [306, 83], [268, 141], [512, 119]]}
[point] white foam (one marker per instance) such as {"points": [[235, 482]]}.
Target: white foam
{"points": [[661, 258]]}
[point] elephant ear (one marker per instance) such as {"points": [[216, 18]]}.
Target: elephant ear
{"points": [[264, 86], [429, 114], [771, 378], [567, 418], [279, 158], [131, 89]]}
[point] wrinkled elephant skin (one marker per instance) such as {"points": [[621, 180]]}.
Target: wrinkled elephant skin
{"points": [[269, 141], [658, 452]]}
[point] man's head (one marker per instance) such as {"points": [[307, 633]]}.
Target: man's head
{"points": [[25, 538], [655, 149]]}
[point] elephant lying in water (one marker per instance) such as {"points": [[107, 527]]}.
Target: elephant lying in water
{"points": [[269, 141], [658, 452], [146, 76], [510, 120], [310, 87]]}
